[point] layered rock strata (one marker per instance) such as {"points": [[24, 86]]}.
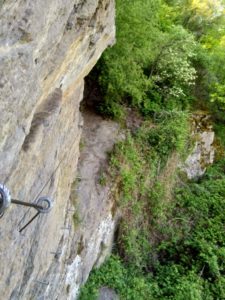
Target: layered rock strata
{"points": [[46, 50]]}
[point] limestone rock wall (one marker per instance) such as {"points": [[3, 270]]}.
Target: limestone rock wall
{"points": [[203, 153], [46, 50]]}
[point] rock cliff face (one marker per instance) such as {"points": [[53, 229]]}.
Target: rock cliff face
{"points": [[46, 50], [203, 152]]}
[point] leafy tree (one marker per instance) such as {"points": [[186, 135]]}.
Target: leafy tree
{"points": [[172, 71]]}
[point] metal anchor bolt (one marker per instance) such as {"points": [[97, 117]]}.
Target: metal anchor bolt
{"points": [[43, 205]]}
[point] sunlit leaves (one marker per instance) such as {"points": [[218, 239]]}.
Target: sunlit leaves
{"points": [[207, 8], [174, 73]]}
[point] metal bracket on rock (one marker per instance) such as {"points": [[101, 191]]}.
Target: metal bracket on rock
{"points": [[43, 204]]}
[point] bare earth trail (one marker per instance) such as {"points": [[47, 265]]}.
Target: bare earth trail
{"points": [[98, 139]]}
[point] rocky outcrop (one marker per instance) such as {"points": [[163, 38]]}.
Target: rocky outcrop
{"points": [[46, 50], [107, 294], [203, 152]]}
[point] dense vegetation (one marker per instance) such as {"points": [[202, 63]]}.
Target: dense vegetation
{"points": [[157, 59], [168, 61], [189, 259]]}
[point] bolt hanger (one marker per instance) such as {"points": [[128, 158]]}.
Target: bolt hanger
{"points": [[43, 205]]}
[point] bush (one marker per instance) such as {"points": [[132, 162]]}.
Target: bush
{"points": [[114, 274]]}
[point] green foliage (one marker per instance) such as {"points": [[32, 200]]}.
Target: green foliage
{"points": [[163, 49], [125, 281], [206, 20], [199, 16], [216, 68], [218, 94], [136, 164], [172, 71], [169, 135], [122, 76], [190, 257], [220, 133], [150, 66]]}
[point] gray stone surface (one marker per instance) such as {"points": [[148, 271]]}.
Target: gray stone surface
{"points": [[46, 50], [203, 152], [106, 293]]}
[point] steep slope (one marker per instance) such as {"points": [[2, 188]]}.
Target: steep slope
{"points": [[46, 50]]}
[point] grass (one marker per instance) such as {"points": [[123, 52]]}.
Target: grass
{"points": [[144, 171]]}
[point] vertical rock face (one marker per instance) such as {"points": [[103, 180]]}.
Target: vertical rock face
{"points": [[203, 152], [46, 50]]}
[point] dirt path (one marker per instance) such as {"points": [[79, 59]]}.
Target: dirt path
{"points": [[98, 139]]}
